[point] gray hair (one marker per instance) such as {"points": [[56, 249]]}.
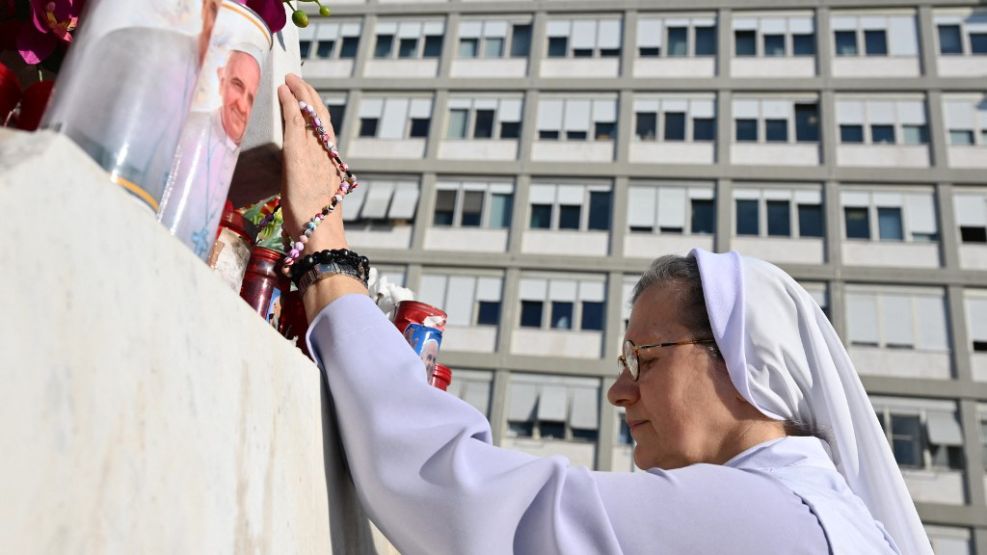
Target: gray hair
{"points": [[682, 273]]}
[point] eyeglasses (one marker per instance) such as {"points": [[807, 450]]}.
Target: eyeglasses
{"points": [[628, 360]]}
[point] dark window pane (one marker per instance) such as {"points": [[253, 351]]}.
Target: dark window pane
{"points": [[973, 234], [876, 42], [810, 220], [703, 216], [419, 127], [493, 47], [846, 43], [500, 210], [649, 52], [510, 129], [469, 47], [774, 45], [950, 41], [882, 134], [779, 218], [857, 222], [336, 114], [804, 45], [646, 125], [488, 313], [746, 130], [520, 429], [592, 318], [609, 52], [558, 47], [541, 216], [408, 48], [549, 429], [776, 130], [561, 315], [674, 126], [806, 123], [851, 133], [304, 47], [547, 134], [531, 314], [368, 127], [747, 217], [433, 46], [889, 223], [978, 43], [915, 134], [745, 43], [324, 50], [472, 208], [979, 346], [599, 210], [575, 135], [349, 47], [703, 129], [678, 41], [445, 208], [705, 41], [483, 126], [587, 436], [569, 216], [582, 52], [604, 130], [960, 137], [521, 41], [385, 43], [906, 440]]}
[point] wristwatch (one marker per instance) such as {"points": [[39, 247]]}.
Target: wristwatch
{"points": [[321, 271]]}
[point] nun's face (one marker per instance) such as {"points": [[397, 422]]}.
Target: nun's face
{"points": [[681, 411]]}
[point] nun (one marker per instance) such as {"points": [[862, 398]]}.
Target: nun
{"points": [[753, 430]]}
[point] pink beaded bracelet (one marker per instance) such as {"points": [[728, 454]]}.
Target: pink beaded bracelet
{"points": [[347, 184]]}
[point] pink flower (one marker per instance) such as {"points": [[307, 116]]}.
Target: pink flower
{"points": [[53, 23], [271, 11]]}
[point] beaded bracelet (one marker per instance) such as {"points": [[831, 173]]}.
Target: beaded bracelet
{"points": [[343, 257], [347, 184]]}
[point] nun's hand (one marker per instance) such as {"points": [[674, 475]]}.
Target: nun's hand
{"points": [[310, 178]]}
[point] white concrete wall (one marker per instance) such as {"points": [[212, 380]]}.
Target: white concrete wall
{"points": [[401, 68], [489, 69], [557, 343], [675, 67], [478, 339], [650, 246], [961, 66], [774, 154], [978, 362], [466, 239], [578, 453], [935, 486], [572, 151], [901, 363], [478, 149], [323, 69], [785, 250], [386, 148], [893, 156], [967, 156], [804, 66], [876, 67], [654, 152], [398, 237], [973, 257], [889, 254], [580, 68], [145, 407], [573, 243], [622, 459]]}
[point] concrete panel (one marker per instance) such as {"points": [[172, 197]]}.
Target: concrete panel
{"points": [[978, 365], [773, 67], [675, 67], [876, 67], [893, 156], [401, 68], [466, 239], [489, 69], [622, 459], [973, 257], [398, 237], [480, 149], [328, 69], [578, 453], [587, 68], [672, 153], [962, 66], [783, 250], [935, 486], [147, 407], [571, 243], [892, 255], [557, 343], [480, 339], [572, 151], [650, 246], [967, 156], [902, 363], [774, 154], [385, 148]]}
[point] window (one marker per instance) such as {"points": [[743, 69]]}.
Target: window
{"points": [[776, 130], [846, 43], [975, 302], [915, 134], [678, 41], [541, 216], [804, 45], [674, 126], [473, 204], [774, 45], [851, 133], [906, 441], [966, 119], [493, 47], [779, 218], [705, 41], [409, 40], [887, 121], [521, 41], [810, 220], [960, 137], [584, 38], [484, 118], [553, 408], [806, 123], [971, 217], [469, 300], [330, 40], [881, 134], [676, 37], [923, 434], [577, 119], [349, 47], [574, 303], [703, 129], [670, 209], [337, 112], [569, 216], [646, 126], [745, 43], [468, 48], [382, 204], [950, 40], [978, 43], [746, 130], [889, 223], [674, 122], [776, 204], [747, 217], [493, 39], [780, 118], [395, 118], [961, 34], [325, 48], [891, 317], [599, 210], [878, 35], [857, 223], [899, 216], [876, 43], [768, 35]]}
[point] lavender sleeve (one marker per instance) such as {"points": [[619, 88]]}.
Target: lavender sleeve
{"points": [[430, 479]]}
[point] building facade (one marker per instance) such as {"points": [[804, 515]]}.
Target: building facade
{"points": [[525, 160]]}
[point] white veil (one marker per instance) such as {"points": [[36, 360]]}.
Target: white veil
{"points": [[785, 358]]}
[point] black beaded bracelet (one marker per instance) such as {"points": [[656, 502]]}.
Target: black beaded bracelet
{"points": [[343, 257]]}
